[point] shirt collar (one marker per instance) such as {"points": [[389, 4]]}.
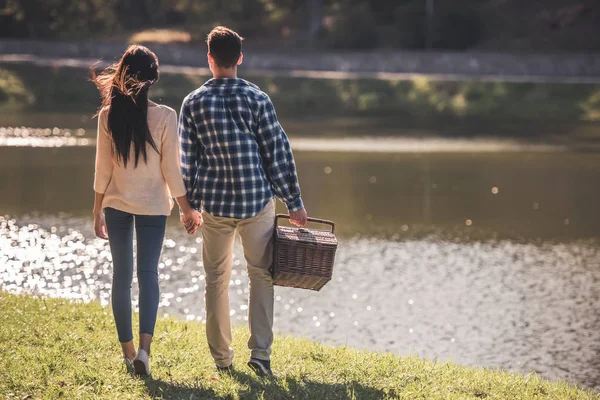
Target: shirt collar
{"points": [[224, 81]]}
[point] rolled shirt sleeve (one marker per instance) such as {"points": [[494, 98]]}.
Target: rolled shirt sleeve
{"points": [[279, 161], [188, 142]]}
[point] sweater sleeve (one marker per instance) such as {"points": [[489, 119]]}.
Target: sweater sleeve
{"points": [[170, 162], [104, 162]]}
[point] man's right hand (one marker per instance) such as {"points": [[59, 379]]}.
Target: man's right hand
{"points": [[299, 218]]}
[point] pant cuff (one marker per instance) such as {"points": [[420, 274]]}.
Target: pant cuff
{"points": [[224, 362], [260, 355]]}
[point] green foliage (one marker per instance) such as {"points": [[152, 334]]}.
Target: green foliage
{"points": [[51, 18], [452, 29], [345, 24], [13, 94], [498, 107], [408, 32], [355, 27], [354, 24], [80, 18], [591, 106], [58, 349], [456, 30]]}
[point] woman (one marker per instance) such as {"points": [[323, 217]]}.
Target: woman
{"points": [[137, 173]]}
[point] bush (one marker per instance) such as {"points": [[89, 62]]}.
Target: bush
{"points": [[354, 27], [354, 24], [408, 31], [52, 18], [451, 30], [13, 93], [454, 31]]}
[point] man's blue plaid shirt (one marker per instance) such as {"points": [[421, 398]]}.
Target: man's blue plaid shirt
{"points": [[235, 157]]}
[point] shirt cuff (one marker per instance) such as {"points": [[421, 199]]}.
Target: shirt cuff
{"points": [[295, 205], [98, 188], [178, 193]]}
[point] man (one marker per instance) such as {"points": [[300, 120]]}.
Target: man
{"points": [[235, 159]]}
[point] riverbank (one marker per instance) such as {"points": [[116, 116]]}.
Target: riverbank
{"points": [[54, 348], [473, 65], [32, 95]]}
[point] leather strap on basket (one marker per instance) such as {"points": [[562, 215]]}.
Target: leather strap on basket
{"points": [[317, 220]]}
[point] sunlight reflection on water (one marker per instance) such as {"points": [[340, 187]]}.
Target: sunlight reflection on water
{"points": [[34, 137]]}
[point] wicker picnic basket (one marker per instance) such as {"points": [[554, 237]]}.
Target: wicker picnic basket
{"points": [[303, 258]]}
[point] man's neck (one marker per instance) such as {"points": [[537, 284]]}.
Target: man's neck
{"points": [[225, 73]]}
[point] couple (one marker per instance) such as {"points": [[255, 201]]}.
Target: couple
{"points": [[224, 162]]}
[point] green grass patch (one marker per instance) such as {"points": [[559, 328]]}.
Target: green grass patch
{"points": [[53, 348]]}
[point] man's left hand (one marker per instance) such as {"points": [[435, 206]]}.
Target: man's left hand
{"points": [[299, 218]]}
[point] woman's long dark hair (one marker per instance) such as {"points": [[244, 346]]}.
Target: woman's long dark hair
{"points": [[124, 91]]}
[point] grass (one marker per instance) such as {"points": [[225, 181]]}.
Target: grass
{"points": [[53, 348]]}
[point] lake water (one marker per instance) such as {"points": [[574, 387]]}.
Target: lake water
{"points": [[477, 251]]}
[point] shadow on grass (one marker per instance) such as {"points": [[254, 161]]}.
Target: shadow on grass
{"points": [[160, 389], [252, 387]]}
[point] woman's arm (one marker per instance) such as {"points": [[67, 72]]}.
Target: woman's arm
{"points": [[104, 162], [103, 175], [99, 222]]}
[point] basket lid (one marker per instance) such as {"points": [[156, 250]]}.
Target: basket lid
{"points": [[305, 235]]}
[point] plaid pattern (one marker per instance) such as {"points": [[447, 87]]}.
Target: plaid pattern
{"points": [[235, 156]]}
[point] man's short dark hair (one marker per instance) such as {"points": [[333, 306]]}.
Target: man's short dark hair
{"points": [[225, 46]]}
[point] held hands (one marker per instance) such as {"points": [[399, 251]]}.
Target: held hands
{"points": [[299, 218], [100, 225], [191, 221]]}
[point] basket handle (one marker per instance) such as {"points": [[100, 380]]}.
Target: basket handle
{"points": [[317, 220]]}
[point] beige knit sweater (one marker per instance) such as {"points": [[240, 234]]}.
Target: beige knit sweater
{"points": [[147, 189]]}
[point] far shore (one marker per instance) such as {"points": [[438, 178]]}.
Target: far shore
{"points": [[376, 64]]}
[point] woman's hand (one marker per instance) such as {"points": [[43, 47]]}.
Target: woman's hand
{"points": [[100, 225], [191, 220]]}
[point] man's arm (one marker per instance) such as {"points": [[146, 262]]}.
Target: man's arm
{"points": [[188, 142], [279, 161]]}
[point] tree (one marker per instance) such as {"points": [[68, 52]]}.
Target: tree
{"points": [[429, 25], [315, 12]]}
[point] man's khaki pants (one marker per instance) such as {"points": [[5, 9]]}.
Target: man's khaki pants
{"points": [[217, 250]]}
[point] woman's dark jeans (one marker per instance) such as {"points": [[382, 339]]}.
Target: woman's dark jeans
{"points": [[150, 232]]}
